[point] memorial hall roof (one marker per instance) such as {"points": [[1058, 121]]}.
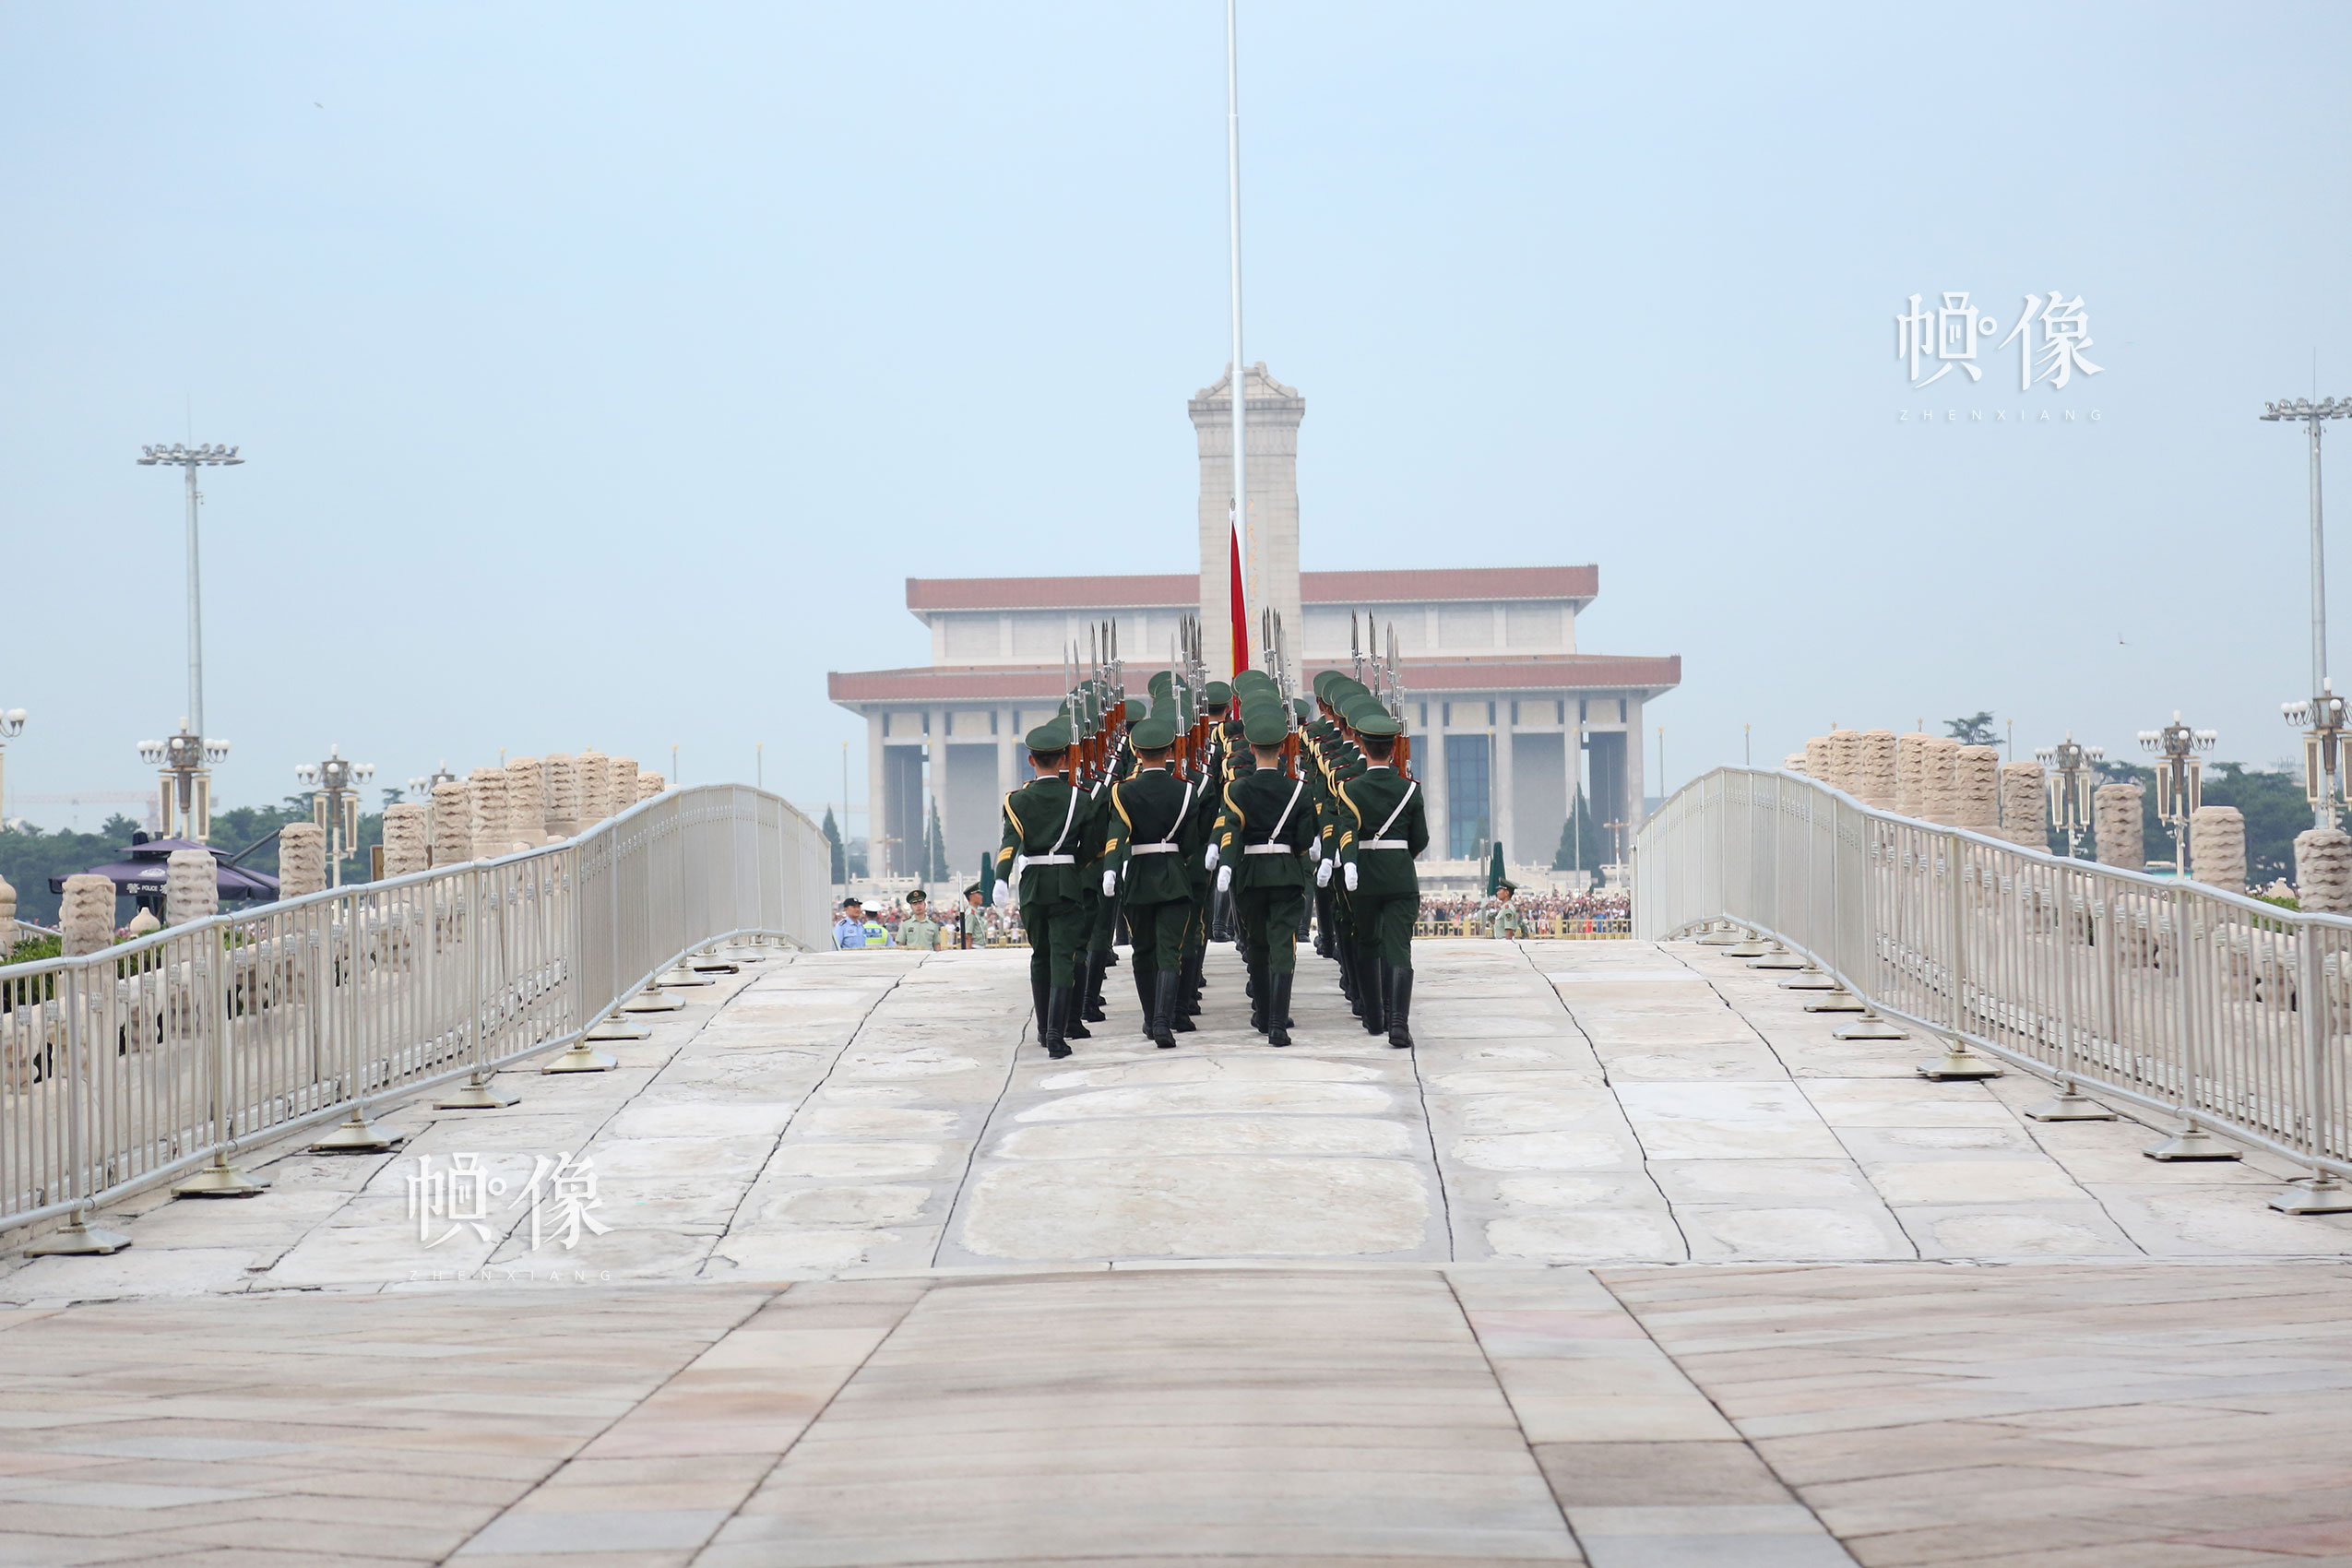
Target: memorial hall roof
{"points": [[1432, 585]]}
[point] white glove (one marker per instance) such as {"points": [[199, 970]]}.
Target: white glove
{"points": [[1350, 868], [1110, 882], [1323, 874], [1208, 862], [1315, 849], [1224, 879], [1003, 894], [1020, 864]]}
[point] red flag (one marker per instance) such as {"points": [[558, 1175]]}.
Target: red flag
{"points": [[1240, 611]]}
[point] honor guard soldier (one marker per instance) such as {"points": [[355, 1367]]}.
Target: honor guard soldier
{"points": [[1383, 828], [1261, 856], [1050, 842], [1508, 922], [1154, 831]]}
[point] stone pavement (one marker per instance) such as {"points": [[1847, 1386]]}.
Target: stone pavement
{"points": [[1629, 1264]]}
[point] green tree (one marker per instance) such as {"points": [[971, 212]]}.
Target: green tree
{"points": [[840, 858], [936, 851], [1976, 730], [1580, 828], [30, 856]]}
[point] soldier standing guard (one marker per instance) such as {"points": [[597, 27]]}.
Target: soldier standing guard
{"points": [[1507, 922], [1261, 843], [1384, 828], [1052, 839]]}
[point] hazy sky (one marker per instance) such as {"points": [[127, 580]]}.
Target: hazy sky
{"points": [[603, 371]]}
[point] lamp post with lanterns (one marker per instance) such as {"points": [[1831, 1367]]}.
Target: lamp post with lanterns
{"points": [[12, 724], [335, 801], [2179, 773], [2321, 716], [186, 796], [2069, 774]]}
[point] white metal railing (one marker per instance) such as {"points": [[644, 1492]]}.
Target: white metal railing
{"points": [[123, 1068], [2233, 1015]]}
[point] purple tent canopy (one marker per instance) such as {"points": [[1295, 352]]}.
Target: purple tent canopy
{"points": [[143, 874]]}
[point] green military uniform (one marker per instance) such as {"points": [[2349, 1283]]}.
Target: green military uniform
{"points": [[1262, 842], [1052, 830], [972, 919], [1506, 922], [919, 932], [1152, 835], [1385, 827]]}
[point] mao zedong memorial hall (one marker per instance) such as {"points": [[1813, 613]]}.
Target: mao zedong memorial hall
{"points": [[1502, 702]]}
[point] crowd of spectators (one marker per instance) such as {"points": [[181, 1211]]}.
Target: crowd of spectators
{"points": [[898, 923], [1603, 913]]}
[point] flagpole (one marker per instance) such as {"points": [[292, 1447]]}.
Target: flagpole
{"points": [[1242, 530]]}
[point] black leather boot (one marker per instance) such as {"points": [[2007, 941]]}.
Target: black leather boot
{"points": [[1147, 991], [1041, 997], [1055, 1018], [1074, 998], [1400, 1008], [1258, 1000], [1163, 1009], [1098, 965], [1372, 981], [1279, 1012]]}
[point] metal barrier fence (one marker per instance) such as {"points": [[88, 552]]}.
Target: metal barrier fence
{"points": [[2233, 1015], [123, 1069]]}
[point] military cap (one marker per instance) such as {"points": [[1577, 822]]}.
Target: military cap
{"points": [[1324, 678], [1506, 888], [1376, 722], [1053, 735], [1136, 708], [1154, 734], [1266, 727], [1303, 708], [1217, 693], [970, 888], [1160, 684], [1252, 680], [1360, 706]]}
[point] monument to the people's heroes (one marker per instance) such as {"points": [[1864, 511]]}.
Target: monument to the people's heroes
{"points": [[1506, 715]]}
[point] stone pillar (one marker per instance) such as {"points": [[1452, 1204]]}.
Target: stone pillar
{"points": [[452, 824], [408, 838], [2024, 805], [86, 915], [1976, 788], [1818, 764], [301, 859], [594, 770], [2323, 871], [1845, 759], [486, 831], [621, 784], [525, 802], [1910, 758], [1428, 765], [1875, 769], [7, 919], [1271, 570], [649, 784], [192, 886], [1502, 818], [2115, 821], [2218, 848], [563, 802]]}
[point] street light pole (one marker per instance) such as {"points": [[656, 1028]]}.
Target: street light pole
{"points": [[2324, 711], [335, 803], [2178, 787], [191, 458], [2069, 779]]}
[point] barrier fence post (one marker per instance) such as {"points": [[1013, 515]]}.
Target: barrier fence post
{"points": [[2070, 1104], [1957, 1061], [207, 960], [477, 1093], [2320, 1192], [78, 1237]]}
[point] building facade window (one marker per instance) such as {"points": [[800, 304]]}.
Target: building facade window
{"points": [[1467, 818]]}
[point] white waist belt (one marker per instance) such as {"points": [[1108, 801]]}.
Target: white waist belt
{"points": [[1151, 849], [1367, 844], [1053, 859], [1267, 849]]}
